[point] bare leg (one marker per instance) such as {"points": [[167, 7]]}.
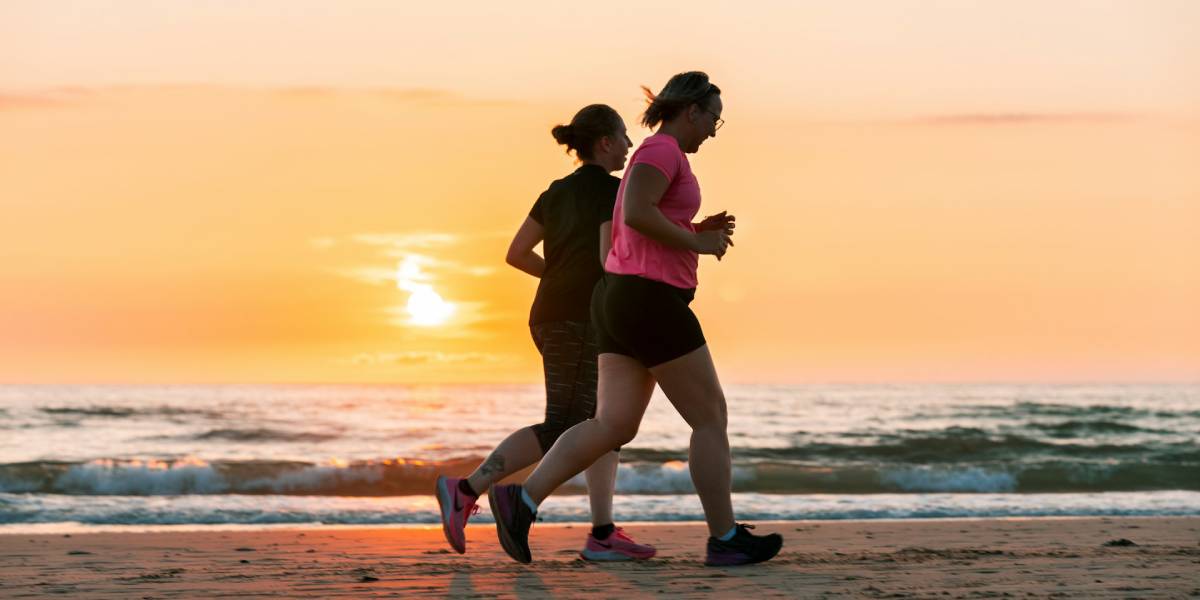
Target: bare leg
{"points": [[519, 450], [621, 397], [601, 482], [690, 383]]}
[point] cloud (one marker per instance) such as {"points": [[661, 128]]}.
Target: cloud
{"points": [[421, 240], [406, 261], [372, 275], [49, 98], [63, 96], [458, 267], [57, 97], [16, 101], [406, 246], [423, 357], [1020, 118], [429, 304], [387, 274], [401, 95]]}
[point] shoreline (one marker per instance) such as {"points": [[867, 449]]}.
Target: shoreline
{"points": [[991, 557], [76, 528]]}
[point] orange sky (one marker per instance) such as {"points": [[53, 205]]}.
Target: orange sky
{"points": [[925, 192]]}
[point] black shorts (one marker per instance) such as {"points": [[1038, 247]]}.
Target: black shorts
{"points": [[568, 350], [644, 319]]}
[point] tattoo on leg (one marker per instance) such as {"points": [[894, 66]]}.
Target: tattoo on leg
{"points": [[494, 465]]}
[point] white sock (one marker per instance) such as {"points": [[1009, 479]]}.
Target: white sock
{"points": [[528, 501], [729, 535]]}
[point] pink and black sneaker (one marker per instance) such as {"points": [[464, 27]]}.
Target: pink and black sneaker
{"points": [[513, 520], [743, 549], [457, 507], [618, 546]]}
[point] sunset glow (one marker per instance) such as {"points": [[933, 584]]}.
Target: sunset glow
{"points": [[428, 308], [425, 307], [276, 194]]}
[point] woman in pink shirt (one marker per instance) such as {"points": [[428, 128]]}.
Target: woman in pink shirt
{"points": [[647, 333]]}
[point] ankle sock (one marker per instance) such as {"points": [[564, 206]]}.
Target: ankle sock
{"points": [[601, 532], [528, 501], [464, 486], [729, 535]]}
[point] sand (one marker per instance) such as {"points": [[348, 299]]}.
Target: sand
{"points": [[1057, 558]]}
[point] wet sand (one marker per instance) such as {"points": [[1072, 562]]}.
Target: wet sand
{"points": [[1027, 558]]}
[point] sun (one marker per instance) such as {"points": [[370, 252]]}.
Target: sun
{"points": [[426, 307]]}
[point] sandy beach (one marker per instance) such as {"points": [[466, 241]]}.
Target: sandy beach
{"points": [[1058, 558]]}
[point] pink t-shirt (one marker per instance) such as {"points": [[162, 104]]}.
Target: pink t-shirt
{"points": [[635, 254]]}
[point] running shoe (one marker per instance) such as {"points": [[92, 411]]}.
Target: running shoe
{"points": [[618, 546], [513, 520], [743, 549], [457, 507]]}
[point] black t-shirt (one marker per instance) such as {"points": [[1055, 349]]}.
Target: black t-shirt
{"points": [[571, 212]]}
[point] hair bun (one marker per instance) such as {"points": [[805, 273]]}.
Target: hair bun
{"points": [[589, 125], [563, 134]]}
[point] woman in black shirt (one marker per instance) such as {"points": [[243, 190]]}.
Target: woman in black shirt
{"points": [[573, 218]]}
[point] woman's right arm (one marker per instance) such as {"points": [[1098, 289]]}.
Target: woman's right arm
{"points": [[520, 251], [643, 192]]}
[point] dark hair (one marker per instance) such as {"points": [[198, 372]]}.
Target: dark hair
{"points": [[682, 91], [589, 125]]}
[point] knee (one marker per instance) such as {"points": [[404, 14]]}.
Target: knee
{"points": [[715, 419], [625, 435], [619, 433], [717, 424]]}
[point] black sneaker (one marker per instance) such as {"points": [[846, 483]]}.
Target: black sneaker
{"points": [[513, 520], [743, 549]]}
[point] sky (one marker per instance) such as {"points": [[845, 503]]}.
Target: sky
{"points": [[295, 192]]}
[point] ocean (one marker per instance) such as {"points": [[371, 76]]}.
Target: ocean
{"points": [[91, 456]]}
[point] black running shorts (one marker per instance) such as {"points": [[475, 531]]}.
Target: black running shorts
{"points": [[644, 319], [568, 351]]}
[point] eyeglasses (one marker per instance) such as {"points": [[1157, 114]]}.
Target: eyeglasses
{"points": [[719, 121]]}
